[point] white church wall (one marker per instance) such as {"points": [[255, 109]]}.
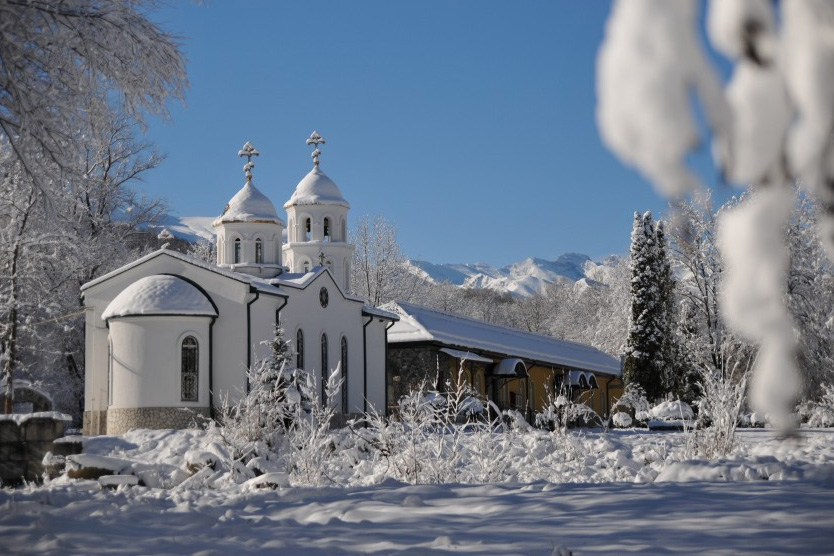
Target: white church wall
{"points": [[341, 318], [146, 360], [228, 332], [375, 339]]}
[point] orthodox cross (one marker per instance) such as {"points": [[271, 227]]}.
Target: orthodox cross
{"points": [[316, 140], [321, 258], [248, 151]]}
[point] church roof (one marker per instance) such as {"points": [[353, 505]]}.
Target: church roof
{"points": [[316, 188], [160, 294], [249, 205], [419, 324]]}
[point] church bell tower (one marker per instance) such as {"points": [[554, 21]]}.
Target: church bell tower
{"points": [[317, 214]]}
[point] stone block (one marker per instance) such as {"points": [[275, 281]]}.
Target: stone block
{"points": [[38, 429], [68, 446], [9, 432]]}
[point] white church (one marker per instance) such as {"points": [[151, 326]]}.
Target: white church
{"points": [[168, 334]]}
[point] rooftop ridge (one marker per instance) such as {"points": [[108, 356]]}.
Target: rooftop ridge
{"points": [[510, 329]]}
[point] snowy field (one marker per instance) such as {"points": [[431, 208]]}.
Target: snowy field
{"points": [[621, 492]]}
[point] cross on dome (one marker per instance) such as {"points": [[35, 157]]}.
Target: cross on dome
{"points": [[248, 150], [316, 140]]}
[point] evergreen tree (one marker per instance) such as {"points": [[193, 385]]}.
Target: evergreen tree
{"points": [[667, 359], [648, 323], [273, 384]]}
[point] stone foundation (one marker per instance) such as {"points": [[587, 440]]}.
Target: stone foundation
{"points": [[121, 420]]}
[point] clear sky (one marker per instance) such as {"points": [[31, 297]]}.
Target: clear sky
{"points": [[467, 123]]}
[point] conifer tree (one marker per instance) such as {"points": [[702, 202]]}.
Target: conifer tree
{"points": [[669, 353], [644, 358]]}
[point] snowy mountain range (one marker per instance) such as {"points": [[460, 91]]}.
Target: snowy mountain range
{"points": [[528, 277], [525, 278]]}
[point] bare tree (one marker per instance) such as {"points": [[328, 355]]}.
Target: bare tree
{"points": [[379, 272], [59, 57]]}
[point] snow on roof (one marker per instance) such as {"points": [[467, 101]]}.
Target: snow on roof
{"points": [[316, 189], [510, 367], [465, 355], [381, 313], [301, 280], [249, 205], [160, 294], [418, 324], [259, 283], [21, 418]]}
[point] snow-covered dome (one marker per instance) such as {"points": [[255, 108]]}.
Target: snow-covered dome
{"points": [[249, 205], [316, 189], [159, 295]]}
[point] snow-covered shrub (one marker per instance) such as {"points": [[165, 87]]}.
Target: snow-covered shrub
{"points": [[622, 420], [426, 440], [672, 410], [821, 412], [633, 401], [560, 411], [719, 408], [308, 438], [278, 394]]}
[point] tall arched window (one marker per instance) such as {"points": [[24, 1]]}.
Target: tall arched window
{"points": [[307, 226], [190, 369], [259, 251], [324, 365], [344, 375], [326, 229], [237, 250], [299, 349]]}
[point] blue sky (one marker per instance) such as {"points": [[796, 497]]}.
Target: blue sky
{"points": [[468, 124]]}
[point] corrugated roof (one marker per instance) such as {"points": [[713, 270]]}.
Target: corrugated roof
{"points": [[419, 324]]}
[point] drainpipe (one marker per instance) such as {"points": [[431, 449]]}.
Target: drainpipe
{"points": [[254, 290], [211, 367], [278, 311], [365, 364], [387, 328]]}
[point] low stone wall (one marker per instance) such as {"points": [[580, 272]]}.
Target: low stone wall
{"points": [[24, 441], [121, 420]]}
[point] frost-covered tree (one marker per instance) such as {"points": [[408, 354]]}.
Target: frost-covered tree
{"points": [[25, 249], [810, 281], [379, 271], [771, 124], [63, 57]]}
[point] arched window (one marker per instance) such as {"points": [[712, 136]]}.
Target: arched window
{"points": [[291, 231], [299, 349], [307, 226], [190, 369], [326, 229], [324, 369], [344, 375], [237, 251], [259, 251], [306, 267]]}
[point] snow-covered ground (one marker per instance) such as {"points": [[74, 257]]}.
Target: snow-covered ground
{"points": [[625, 491]]}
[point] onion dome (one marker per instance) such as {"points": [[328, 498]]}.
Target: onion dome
{"points": [[160, 294], [249, 205], [316, 189]]}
